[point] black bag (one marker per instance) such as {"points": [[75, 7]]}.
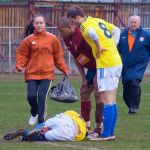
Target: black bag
{"points": [[63, 91]]}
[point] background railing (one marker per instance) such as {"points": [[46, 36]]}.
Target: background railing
{"points": [[15, 15], [8, 50]]}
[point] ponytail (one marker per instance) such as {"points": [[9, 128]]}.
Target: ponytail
{"points": [[29, 29]]}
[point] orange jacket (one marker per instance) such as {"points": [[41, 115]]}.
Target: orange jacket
{"points": [[38, 53]]}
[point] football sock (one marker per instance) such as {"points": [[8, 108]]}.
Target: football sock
{"points": [[114, 119], [108, 116], [98, 117], [86, 111]]}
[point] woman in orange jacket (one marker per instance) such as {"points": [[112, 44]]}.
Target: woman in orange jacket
{"points": [[37, 54]]}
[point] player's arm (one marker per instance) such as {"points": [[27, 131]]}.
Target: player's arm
{"points": [[119, 44], [116, 34], [115, 31], [59, 57], [22, 55], [94, 37]]}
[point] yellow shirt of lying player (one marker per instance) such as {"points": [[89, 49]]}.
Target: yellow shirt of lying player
{"points": [[79, 122], [109, 57]]}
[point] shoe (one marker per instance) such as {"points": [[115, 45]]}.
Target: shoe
{"points": [[92, 135], [132, 111], [33, 120], [95, 133], [100, 138], [113, 137], [13, 135]]}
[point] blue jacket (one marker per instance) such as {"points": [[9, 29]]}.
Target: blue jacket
{"points": [[134, 62]]}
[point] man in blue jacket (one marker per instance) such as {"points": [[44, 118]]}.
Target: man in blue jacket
{"points": [[134, 47]]}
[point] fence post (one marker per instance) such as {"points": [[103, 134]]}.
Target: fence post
{"points": [[9, 55]]}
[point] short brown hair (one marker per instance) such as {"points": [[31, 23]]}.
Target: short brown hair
{"points": [[75, 11], [63, 22]]}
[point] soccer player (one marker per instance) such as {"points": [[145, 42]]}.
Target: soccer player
{"points": [[103, 38], [67, 126], [84, 59]]}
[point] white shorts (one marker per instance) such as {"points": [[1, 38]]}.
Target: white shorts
{"points": [[62, 128], [108, 78]]}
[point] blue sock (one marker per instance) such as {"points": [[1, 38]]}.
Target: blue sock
{"points": [[40, 125], [114, 119], [108, 115]]}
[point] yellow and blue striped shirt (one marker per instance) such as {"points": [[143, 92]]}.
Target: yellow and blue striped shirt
{"points": [[109, 57]]}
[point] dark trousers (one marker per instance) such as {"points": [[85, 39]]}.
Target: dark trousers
{"points": [[37, 92], [132, 93]]}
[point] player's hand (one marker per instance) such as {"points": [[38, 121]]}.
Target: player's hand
{"points": [[44, 129], [99, 51], [67, 73], [98, 54]]}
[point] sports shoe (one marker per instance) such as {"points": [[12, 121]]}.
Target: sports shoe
{"points": [[113, 137], [33, 120], [92, 135], [132, 111], [95, 133], [100, 138], [13, 135]]}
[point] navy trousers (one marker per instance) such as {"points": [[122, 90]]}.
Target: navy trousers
{"points": [[132, 93], [37, 91]]}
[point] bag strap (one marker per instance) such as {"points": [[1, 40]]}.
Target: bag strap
{"points": [[64, 77]]}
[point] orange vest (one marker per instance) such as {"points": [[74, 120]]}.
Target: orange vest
{"points": [[131, 40]]}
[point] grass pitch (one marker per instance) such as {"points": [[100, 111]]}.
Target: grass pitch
{"points": [[132, 132]]}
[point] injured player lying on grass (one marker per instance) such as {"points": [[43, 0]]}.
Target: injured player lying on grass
{"points": [[67, 126]]}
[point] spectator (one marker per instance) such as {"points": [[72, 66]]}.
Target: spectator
{"points": [[67, 126], [134, 47], [84, 60], [103, 38], [37, 54]]}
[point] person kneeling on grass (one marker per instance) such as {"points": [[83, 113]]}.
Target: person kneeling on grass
{"points": [[67, 126]]}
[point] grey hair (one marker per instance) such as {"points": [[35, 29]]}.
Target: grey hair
{"points": [[137, 17]]}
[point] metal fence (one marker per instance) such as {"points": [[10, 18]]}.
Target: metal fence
{"points": [[18, 14], [8, 50]]}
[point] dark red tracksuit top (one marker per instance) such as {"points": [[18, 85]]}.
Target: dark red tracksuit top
{"points": [[80, 49]]}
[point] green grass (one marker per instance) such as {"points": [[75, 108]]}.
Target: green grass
{"points": [[132, 132]]}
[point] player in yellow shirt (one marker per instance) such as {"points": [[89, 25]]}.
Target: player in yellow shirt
{"points": [[103, 38]]}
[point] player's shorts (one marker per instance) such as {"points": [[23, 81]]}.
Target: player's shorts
{"points": [[108, 78], [62, 128], [90, 76]]}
